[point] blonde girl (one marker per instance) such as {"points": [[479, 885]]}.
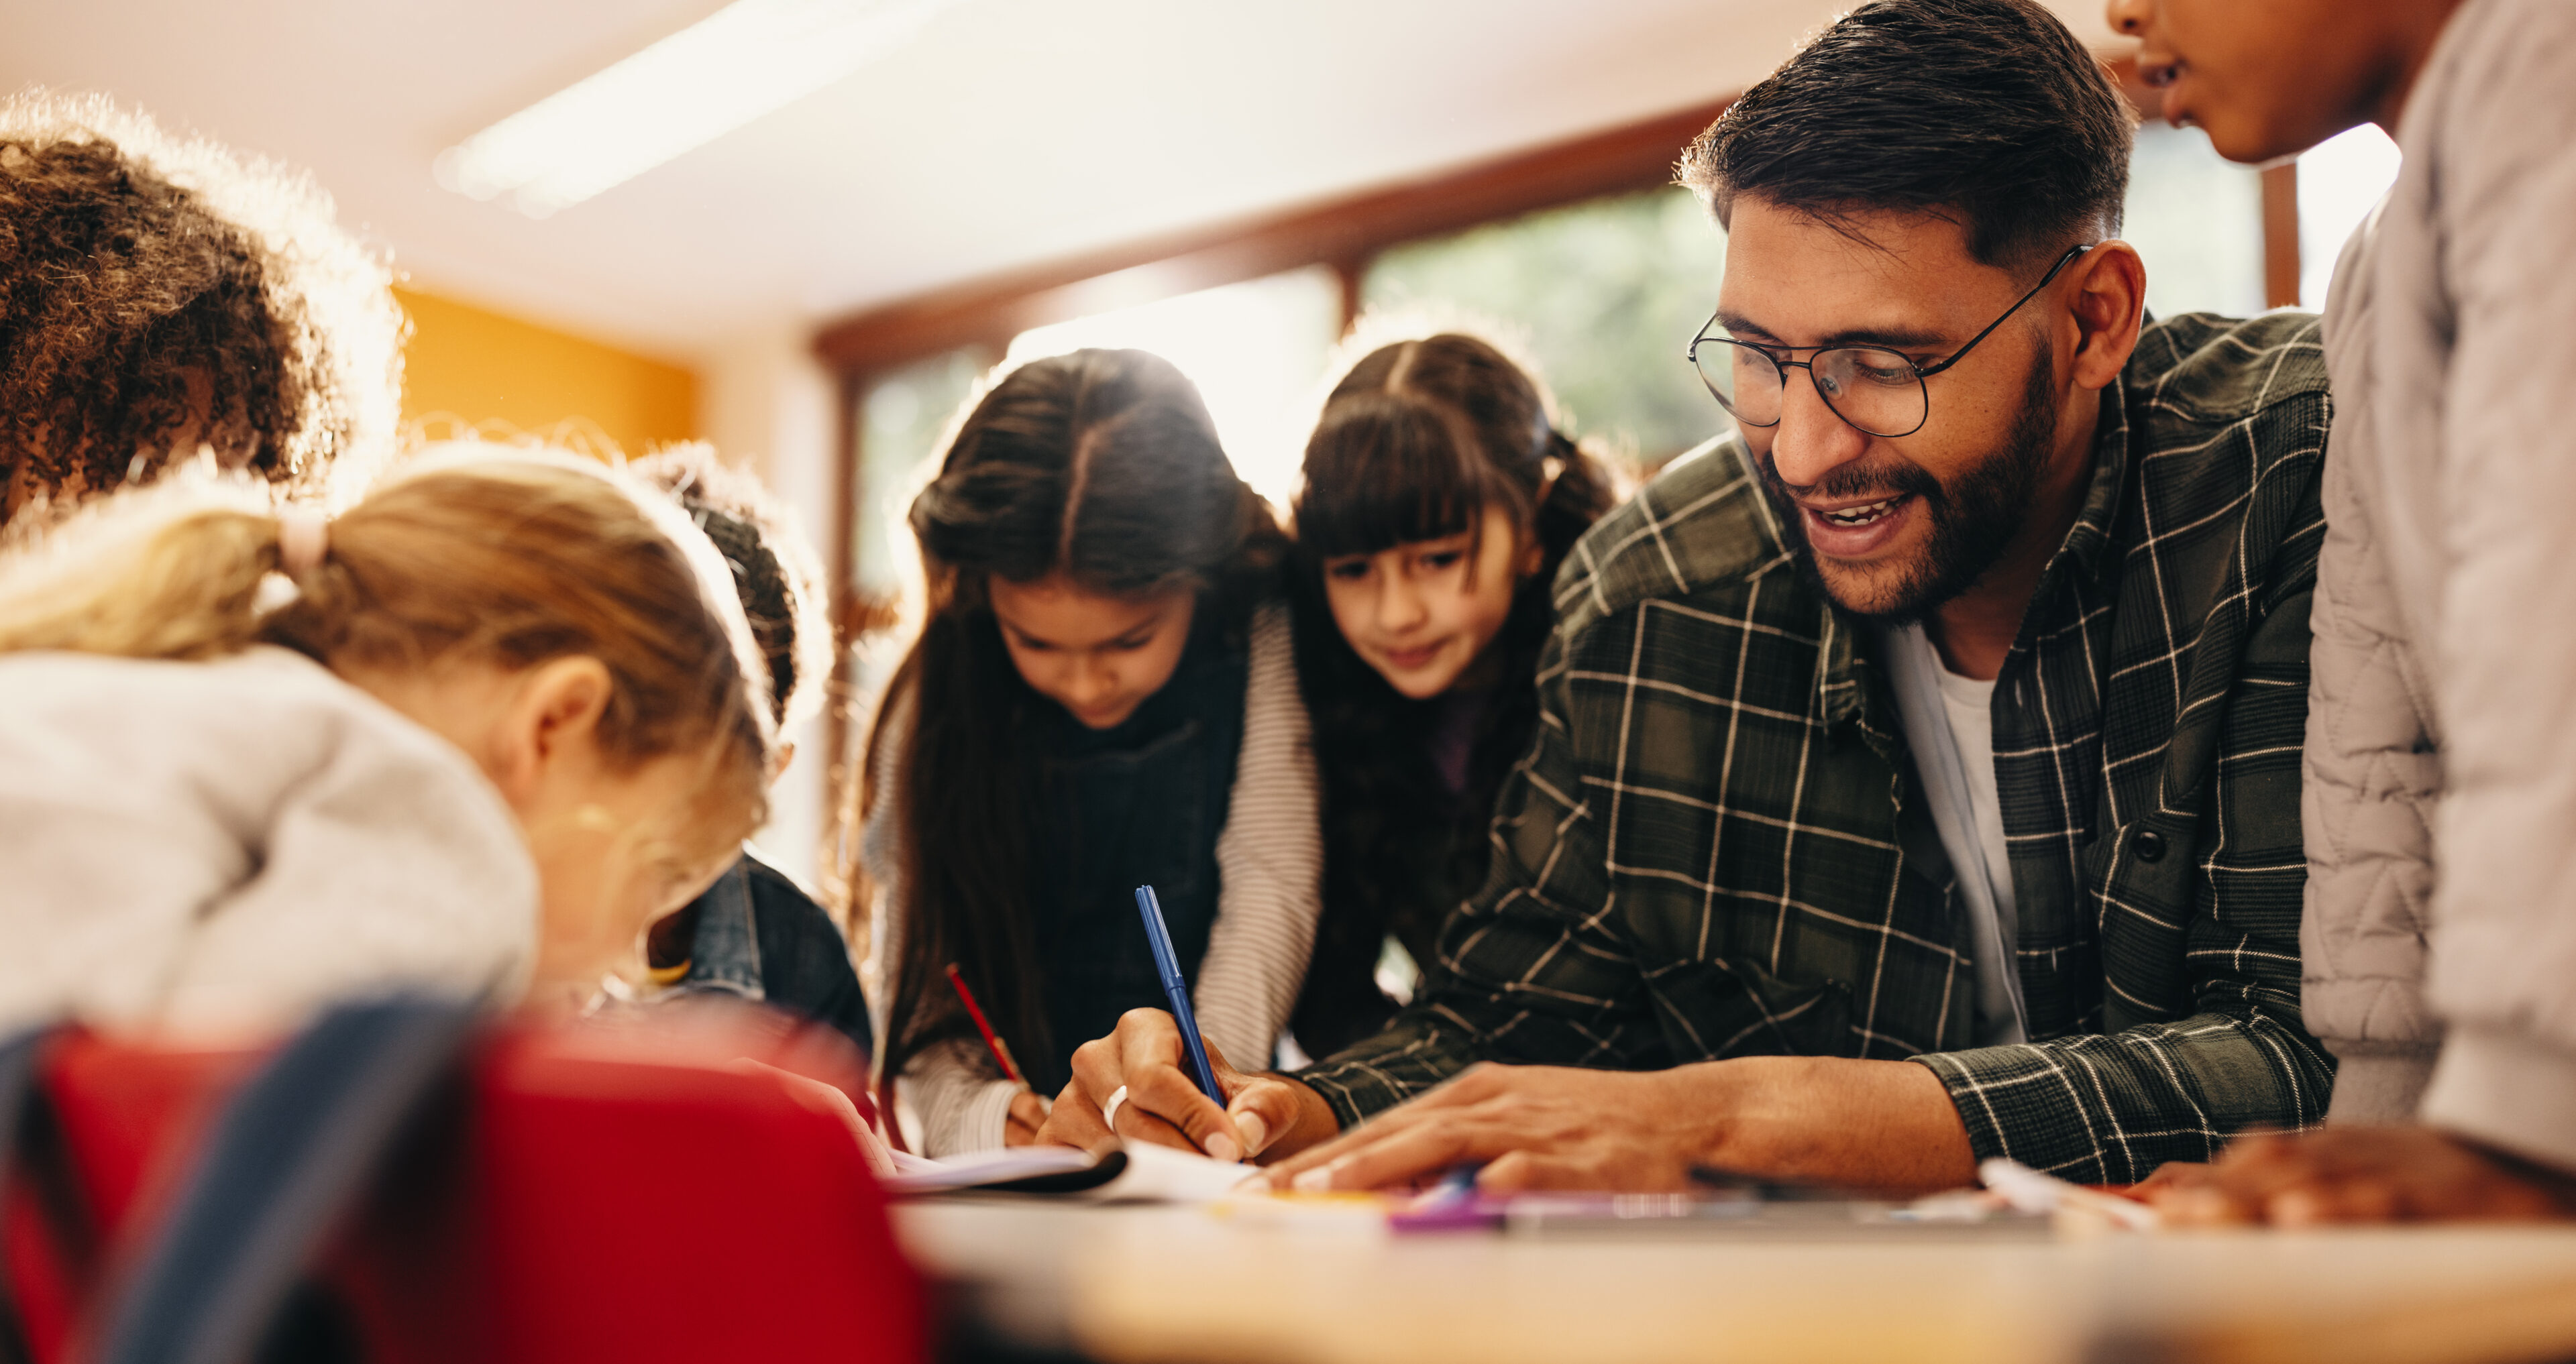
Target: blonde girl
{"points": [[470, 736]]}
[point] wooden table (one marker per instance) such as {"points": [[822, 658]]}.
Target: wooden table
{"points": [[1166, 1285]]}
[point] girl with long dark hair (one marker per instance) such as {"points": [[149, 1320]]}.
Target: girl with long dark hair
{"points": [[1102, 696], [1438, 500]]}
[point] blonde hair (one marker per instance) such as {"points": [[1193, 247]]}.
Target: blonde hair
{"points": [[506, 557]]}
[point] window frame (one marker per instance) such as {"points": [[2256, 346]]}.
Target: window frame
{"points": [[1345, 234]]}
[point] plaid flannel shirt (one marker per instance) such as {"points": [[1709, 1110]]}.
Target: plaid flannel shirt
{"points": [[1716, 847]]}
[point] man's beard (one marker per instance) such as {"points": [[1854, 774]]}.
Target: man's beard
{"points": [[1972, 520]]}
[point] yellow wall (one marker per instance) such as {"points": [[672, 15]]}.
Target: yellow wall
{"points": [[466, 367]]}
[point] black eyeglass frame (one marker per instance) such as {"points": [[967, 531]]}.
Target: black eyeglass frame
{"points": [[1777, 356]]}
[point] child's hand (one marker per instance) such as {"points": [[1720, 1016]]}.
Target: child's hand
{"points": [[1028, 1114], [1139, 1066], [2359, 1174]]}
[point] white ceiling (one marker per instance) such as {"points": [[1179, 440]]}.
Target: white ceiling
{"points": [[1006, 133]]}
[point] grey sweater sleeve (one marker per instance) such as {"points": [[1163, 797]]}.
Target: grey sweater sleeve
{"points": [[955, 1092], [1270, 861]]}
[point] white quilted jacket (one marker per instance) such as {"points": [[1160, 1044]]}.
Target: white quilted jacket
{"points": [[2373, 766], [2446, 609]]}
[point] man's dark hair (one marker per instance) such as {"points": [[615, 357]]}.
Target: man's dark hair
{"points": [[1986, 109]]}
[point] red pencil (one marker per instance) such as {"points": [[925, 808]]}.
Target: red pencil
{"points": [[1001, 1049]]}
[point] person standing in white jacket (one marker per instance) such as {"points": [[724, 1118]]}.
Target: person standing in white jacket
{"points": [[2440, 774]]}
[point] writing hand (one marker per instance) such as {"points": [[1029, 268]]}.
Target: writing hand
{"points": [[1264, 1115]]}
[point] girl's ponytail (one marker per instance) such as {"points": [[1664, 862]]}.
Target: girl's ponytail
{"points": [[169, 572], [1581, 489], [509, 558]]}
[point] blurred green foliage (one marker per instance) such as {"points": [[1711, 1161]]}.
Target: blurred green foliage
{"points": [[1604, 296], [901, 419]]}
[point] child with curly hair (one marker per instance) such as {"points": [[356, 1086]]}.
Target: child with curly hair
{"points": [[164, 298], [756, 933]]}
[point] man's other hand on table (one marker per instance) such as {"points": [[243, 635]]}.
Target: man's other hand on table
{"points": [[1886, 1125]]}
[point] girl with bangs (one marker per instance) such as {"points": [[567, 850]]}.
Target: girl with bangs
{"points": [[1438, 500]]}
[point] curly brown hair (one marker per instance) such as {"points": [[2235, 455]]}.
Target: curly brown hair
{"points": [[774, 567], [157, 291]]}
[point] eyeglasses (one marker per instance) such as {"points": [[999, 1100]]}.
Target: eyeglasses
{"points": [[1875, 388]]}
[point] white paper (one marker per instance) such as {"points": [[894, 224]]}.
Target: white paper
{"points": [[915, 1174], [1160, 1174], [1154, 1174]]}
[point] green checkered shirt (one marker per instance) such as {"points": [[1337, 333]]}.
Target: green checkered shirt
{"points": [[1717, 846]]}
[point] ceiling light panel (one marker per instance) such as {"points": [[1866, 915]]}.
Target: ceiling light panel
{"points": [[751, 58]]}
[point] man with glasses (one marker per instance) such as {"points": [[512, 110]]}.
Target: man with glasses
{"points": [[1917, 777]]}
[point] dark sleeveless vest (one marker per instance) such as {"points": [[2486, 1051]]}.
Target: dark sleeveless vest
{"points": [[1139, 804]]}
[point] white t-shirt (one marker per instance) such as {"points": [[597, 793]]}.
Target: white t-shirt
{"points": [[1949, 726]]}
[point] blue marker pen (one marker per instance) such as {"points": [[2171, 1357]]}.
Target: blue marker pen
{"points": [[1168, 962], [1451, 1205]]}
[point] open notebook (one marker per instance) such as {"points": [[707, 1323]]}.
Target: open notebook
{"points": [[1129, 1172]]}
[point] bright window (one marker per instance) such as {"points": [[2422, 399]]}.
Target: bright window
{"points": [[2197, 220], [1256, 350], [1603, 297], [2340, 180], [900, 422]]}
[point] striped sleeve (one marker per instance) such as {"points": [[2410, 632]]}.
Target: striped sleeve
{"points": [[951, 1089], [962, 1105], [883, 863], [1270, 861]]}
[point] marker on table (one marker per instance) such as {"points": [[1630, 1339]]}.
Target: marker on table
{"points": [[1168, 962], [1451, 1205], [992, 1040], [2029, 1190]]}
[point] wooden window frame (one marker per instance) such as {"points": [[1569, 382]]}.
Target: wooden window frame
{"points": [[1345, 234], [2280, 197]]}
